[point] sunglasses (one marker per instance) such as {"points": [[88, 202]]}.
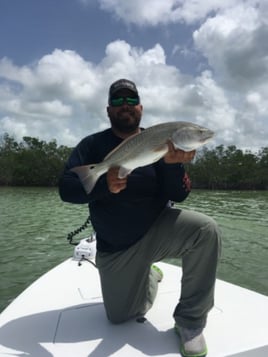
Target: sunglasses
{"points": [[117, 102]]}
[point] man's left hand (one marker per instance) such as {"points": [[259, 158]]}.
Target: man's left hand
{"points": [[174, 156]]}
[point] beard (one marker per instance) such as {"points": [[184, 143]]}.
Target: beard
{"points": [[126, 120]]}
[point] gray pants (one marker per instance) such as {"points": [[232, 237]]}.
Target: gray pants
{"points": [[129, 285]]}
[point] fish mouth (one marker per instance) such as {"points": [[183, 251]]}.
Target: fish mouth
{"points": [[208, 135]]}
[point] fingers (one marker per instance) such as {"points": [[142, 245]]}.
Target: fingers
{"points": [[188, 156], [171, 147], [178, 156], [115, 184]]}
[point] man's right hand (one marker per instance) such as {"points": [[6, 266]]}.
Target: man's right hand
{"points": [[115, 184]]}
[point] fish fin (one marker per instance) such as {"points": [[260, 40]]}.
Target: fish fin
{"points": [[88, 175], [123, 172]]}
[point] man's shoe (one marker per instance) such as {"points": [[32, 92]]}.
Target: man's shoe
{"points": [[158, 272], [192, 342]]}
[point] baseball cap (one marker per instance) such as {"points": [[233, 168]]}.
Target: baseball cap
{"points": [[122, 84]]}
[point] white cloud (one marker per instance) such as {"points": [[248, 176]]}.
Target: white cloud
{"points": [[13, 73], [63, 96], [37, 109], [234, 42], [155, 12], [139, 12], [13, 126]]}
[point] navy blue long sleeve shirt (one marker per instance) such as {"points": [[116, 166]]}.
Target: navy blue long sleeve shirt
{"points": [[122, 219]]}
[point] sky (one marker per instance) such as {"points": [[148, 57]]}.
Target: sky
{"points": [[200, 61]]}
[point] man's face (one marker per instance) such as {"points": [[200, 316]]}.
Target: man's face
{"points": [[125, 118]]}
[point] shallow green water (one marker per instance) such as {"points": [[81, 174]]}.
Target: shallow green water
{"points": [[34, 224]]}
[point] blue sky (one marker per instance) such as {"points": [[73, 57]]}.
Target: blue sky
{"points": [[200, 61]]}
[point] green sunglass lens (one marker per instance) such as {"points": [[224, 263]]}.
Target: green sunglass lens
{"points": [[132, 101], [116, 102]]}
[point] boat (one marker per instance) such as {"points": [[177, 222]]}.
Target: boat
{"points": [[62, 315]]}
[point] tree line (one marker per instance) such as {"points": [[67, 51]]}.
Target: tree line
{"points": [[230, 168], [34, 162], [31, 162]]}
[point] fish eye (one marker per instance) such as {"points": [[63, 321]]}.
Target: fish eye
{"points": [[91, 167]]}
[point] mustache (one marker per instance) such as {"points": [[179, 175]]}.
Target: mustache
{"points": [[126, 110]]}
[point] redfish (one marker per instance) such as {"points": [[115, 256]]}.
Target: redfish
{"points": [[145, 148]]}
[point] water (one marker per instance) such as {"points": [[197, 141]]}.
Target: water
{"points": [[34, 224]]}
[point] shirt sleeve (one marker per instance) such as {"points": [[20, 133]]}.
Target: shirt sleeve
{"points": [[174, 181], [70, 187]]}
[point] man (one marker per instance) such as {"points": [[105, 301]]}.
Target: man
{"points": [[136, 226]]}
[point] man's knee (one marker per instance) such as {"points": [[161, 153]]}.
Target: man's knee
{"points": [[212, 228], [211, 234]]}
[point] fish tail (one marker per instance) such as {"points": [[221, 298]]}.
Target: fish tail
{"points": [[88, 175]]}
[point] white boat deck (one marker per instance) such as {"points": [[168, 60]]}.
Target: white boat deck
{"points": [[62, 315]]}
